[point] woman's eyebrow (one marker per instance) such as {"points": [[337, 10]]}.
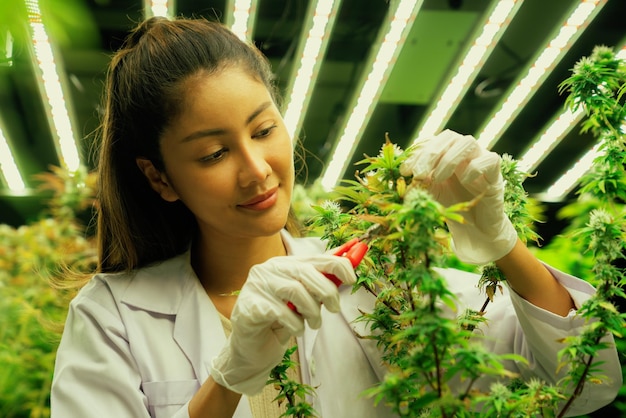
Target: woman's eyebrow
{"points": [[219, 131], [203, 133], [258, 111]]}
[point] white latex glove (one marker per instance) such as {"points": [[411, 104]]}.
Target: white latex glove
{"points": [[456, 169], [262, 323]]}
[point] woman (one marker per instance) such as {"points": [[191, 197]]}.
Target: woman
{"points": [[188, 309]]}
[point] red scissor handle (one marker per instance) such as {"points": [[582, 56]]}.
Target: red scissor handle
{"points": [[354, 250]]}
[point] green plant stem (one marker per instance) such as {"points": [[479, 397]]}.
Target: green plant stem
{"points": [[291, 391], [386, 303], [579, 385], [484, 307]]}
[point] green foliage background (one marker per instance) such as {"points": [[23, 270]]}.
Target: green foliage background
{"points": [[31, 310]]}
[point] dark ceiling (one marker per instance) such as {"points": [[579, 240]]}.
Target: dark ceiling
{"points": [[87, 31]]}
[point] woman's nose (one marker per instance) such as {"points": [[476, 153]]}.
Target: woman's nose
{"points": [[254, 167]]}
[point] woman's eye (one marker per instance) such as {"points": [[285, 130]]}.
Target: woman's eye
{"points": [[264, 132], [214, 157]]}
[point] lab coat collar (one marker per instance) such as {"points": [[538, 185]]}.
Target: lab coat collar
{"points": [[197, 315], [172, 288], [160, 288]]}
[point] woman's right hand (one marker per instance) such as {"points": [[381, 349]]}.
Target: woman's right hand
{"points": [[457, 169], [262, 323]]}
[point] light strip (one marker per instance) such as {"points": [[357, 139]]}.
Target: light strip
{"points": [[322, 15], [551, 137], [556, 48], [8, 168], [242, 17], [57, 107], [483, 45], [370, 88], [157, 8], [6, 59], [571, 177]]}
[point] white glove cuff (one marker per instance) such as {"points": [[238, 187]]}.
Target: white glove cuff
{"points": [[250, 386], [484, 250]]}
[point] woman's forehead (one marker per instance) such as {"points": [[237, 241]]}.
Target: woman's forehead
{"points": [[217, 100], [230, 83]]}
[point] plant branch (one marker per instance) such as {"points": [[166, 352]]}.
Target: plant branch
{"points": [[579, 385]]}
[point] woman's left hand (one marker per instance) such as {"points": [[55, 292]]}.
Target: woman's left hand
{"points": [[456, 169]]}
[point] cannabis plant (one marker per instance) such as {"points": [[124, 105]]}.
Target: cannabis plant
{"points": [[424, 342], [597, 86]]}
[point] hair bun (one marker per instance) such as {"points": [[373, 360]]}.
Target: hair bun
{"points": [[140, 30]]}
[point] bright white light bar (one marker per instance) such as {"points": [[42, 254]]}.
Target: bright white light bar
{"points": [[6, 51], [551, 137], [242, 18], [322, 17], [483, 45], [49, 77], [556, 48], [570, 179], [370, 88], [8, 168], [157, 8]]}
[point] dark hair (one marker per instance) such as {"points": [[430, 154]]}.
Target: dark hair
{"points": [[145, 80]]}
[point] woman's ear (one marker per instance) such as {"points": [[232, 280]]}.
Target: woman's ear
{"points": [[157, 179]]}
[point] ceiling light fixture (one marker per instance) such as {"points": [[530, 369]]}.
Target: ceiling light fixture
{"points": [[6, 48], [240, 17], [8, 168], [311, 50], [571, 29], [557, 129], [158, 8], [478, 52], [382, 57], [51, 89], [570, 178]]}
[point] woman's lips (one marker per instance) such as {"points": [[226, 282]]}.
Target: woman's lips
{"points": [[262, 201]]}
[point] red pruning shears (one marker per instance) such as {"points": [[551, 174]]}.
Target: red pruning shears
{"points": [[354, 250]]}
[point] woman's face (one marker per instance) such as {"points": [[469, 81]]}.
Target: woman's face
{"points": [[228, 156]]}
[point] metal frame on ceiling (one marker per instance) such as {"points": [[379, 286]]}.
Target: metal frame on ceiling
{"points": [[377, 72]]}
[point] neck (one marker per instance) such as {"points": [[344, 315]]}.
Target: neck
{"points": [[223, 265]]}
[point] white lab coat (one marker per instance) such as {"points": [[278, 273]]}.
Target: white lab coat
{"points": [[140, 345]]}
